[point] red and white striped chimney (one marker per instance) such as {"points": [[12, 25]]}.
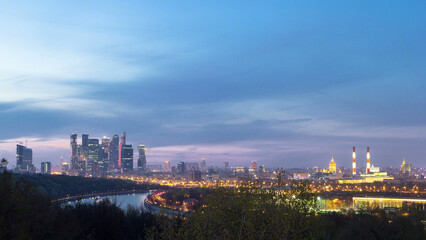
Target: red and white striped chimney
{"points": [[368, 160], [353, 162]]}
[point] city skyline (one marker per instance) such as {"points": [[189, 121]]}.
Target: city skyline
{"points": [[285, 84]]}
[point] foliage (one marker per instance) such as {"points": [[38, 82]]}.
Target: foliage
{"points": [[27, 214], [249, 212], [58, 186], [284, 212]]}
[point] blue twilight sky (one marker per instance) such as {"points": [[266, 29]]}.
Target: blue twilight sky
{"points": [[286, 83]]}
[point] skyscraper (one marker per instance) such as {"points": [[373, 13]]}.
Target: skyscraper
{"points": [[127, 158], [254, 165], [181, 168], [93, 155], [74, 152], [85, 140], [113, 152], [203, 165], [141, 158], [24, 158], [120, 150], [46, 167], [166, 166], [104, 152], [332, 166], [226, 166], [19, 156]]}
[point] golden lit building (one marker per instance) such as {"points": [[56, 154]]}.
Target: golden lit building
{"points": [[405, 167], [332, 166]]}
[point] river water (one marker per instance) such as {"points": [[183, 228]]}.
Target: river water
{"points": [[122, 201]]}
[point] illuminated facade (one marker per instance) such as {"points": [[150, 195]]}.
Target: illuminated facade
{"points": [[166, 166], [332, 166], [405, 167], [104, 152], [254, 165], [383, 202], [93, 156]]}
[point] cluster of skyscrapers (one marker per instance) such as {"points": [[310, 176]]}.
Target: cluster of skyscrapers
{"points": [[98, 157]]}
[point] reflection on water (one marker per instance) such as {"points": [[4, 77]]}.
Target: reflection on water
{"points": [[122, 201]]}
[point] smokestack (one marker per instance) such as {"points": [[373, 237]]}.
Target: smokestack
{"points": [[368, 160], [353, 162]]}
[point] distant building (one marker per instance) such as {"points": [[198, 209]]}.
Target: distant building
{"points": [[24, 159], [253, 165], [192, 166], [93, 156], [166, 166], [127, 158], [65, 167], [226, 166], [120, 150], [301, 175], [332, 166], [74, 152], [113, 152], [405, 167], [141, 158], [154, 167], [194, 176], [103, 161], [181, 168], [203, 165], [46, 168]]}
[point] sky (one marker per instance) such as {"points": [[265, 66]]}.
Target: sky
{"points": [[285, 83]]}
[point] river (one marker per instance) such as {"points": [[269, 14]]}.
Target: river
{"points": [[122, 200]]}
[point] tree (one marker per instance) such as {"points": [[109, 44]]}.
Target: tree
{"points": [[3, 164]]}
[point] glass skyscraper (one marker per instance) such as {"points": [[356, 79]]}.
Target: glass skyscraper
{"points": [[93, 156], [141, 158], [127, 158], [113, 152]]}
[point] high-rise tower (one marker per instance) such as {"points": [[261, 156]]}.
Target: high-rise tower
{"points": [[113, 152], [368, 160], [74, 151], [166, 166], [120, 150], [103, 155], [24, 158], [141, 158], [332, 166], [203, 165], [353, 162], [93, 160]]}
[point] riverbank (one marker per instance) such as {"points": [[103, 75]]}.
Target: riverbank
{"points": [[84, 196]]}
